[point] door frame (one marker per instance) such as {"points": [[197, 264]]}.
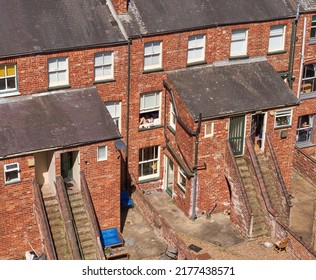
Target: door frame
{"points": [[241, 136], [166, 177]]}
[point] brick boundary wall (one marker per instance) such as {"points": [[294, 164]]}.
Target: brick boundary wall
{"points": [[92, 215], [67, 217], [43, 224], [297, 248], [305, 165], [240, 212], [161, 226]]}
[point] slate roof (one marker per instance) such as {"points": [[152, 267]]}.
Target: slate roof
{"points": [[307, 5], [35, 26], [53, 120], [226, 89], [152, 16]]}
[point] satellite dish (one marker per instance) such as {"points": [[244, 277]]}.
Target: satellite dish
{"points": [[120, 144]]}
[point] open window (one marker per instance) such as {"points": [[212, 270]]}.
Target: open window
{"points": [[283, 118], [305, 127], [148, 162], [11, 173], [150, 110], [309, 79], [181, 179]]}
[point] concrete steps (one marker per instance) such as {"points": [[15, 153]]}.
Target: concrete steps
{"points": [[57, 229], [84, 227], [272, 188], [259, 226]]}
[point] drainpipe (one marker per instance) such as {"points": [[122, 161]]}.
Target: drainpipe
{"points": [[292, 48], [128, 108], [302, 56], [197, 132]]}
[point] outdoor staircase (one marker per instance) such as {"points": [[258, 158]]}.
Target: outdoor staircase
{"points": [[272, 188], [259, 226], [57, 229], [84, 227]]}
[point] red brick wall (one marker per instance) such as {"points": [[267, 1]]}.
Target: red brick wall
{"points": [[120, 6], [18, 226], [17, 222], [305, 165]]}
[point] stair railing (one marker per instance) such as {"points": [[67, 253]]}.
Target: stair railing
{"points": [[92, 215], [284, 192], [70, 225], [42, 220]]}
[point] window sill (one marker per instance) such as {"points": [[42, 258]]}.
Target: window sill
{"points": [[153, 70], [104, 81], [195, 63], [276, 52], [239, 57], [171, 129], [58, 87], [153, 179], [13, 182], [312, 41], [9, 93], [149, 127], [282, 127], [305, 144], [307, 95]]}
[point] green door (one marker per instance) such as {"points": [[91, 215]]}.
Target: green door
{"points": [[66, 165], [236, 134]]}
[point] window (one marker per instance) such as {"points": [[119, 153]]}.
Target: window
{"points": [[148, 162], [172, 116], [114, 109], [239, 42], [152, 55], [196, 47], [149, 110], [276, 41], [103, 66], [309, 78], [304, 130], [182, 181], [58, 71], [11, 173], [102, 153], [283, 118], [8, 79], [209, 129], [313, 28]]}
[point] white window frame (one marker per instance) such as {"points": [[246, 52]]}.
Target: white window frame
{"points": [[181, 176], [172, 117], [313, 29], [153, 50], [304, 133], [115, 110], [107, 62], [283, 118], [277, 32], [9, 91], [7, 169], [211, 133], [152, 164], [308, 80], [150, 110], [196, 44], [104, 155], [59, 69], [238, 36]]}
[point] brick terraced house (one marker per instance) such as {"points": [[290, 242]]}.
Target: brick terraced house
{"points": [[212, 102]]}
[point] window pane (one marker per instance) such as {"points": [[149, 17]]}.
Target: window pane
{"points": [[98, 71], [10, 70], [2, 71], [238, 47], [148, 48], [149, 100], [107, 59], [12, 175], [148, 61], [155, 60], [107, 70], [238, 35], [102, 152], [2, 84], [11, 83], [156, 47], [53, 78], [62, 77], [276, 43], [98, 59], [276, 30], [52, 65]]}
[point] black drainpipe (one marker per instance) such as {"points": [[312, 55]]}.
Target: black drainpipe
{"points": [[128, 110], [292, 48]]}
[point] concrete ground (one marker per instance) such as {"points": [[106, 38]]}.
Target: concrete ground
{"points": [[216, 235]]}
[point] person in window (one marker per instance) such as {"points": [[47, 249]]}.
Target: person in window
{"points": [[303, 132], [147, 120]]}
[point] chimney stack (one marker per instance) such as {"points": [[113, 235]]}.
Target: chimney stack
{"points": [[120, 6]]}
